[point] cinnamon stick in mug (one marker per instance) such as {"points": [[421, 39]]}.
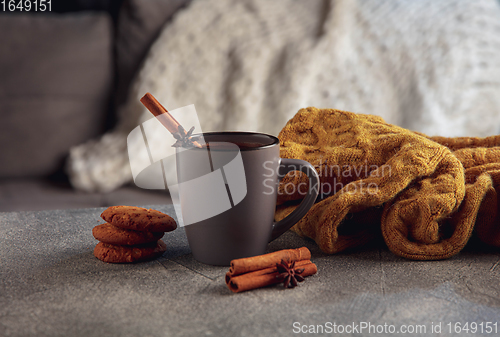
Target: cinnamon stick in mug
{"points": [[162, 114]]}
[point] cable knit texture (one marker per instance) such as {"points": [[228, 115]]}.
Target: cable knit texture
{"points": [[377, 178], [430, 66]]}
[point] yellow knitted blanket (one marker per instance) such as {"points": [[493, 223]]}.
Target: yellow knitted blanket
{"points": [[425, 195]]}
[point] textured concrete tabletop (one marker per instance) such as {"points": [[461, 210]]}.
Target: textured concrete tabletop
{"points": [[52, 285]]}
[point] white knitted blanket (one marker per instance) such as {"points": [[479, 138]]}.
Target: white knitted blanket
{"points": [[430, 65]]}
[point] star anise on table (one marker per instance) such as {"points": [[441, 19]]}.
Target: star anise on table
{"points": [[289, 274], [184, 139]]}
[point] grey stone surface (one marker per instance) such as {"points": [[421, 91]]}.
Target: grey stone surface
{"points": [[52, 285]]}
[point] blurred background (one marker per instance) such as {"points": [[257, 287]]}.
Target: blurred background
{"points": [[71, 77]]}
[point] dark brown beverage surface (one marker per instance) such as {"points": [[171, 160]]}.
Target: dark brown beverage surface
{"points": [[241, 145], [244, 140]]}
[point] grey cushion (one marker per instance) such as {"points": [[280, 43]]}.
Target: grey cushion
{"points": [[30, 194], [56, 78], [139, 24]]}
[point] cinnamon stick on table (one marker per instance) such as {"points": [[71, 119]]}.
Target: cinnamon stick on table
{"points": [[265, 277], [162, 114], [247, 264], [260, 271]]}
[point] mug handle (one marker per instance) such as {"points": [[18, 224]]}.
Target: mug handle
{"points": [[288, 165]]}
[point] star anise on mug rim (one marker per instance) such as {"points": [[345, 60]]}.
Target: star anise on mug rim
{"points": [[183, 138], [289, 274]]}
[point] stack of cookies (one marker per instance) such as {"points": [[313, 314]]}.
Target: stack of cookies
{"points": [[131, 234]]}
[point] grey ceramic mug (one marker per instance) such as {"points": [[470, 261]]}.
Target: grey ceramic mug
{"points": [[250, 176]]}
